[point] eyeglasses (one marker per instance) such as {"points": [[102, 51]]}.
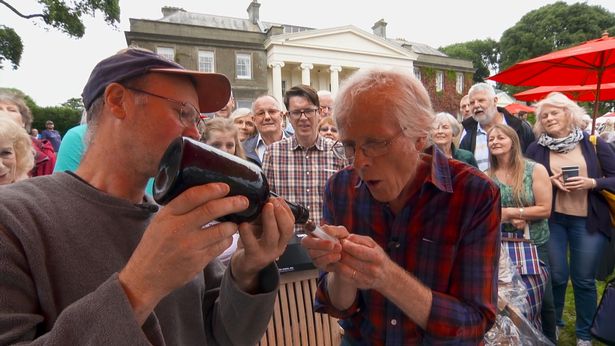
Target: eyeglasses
{"points": [[309, 113], [189, 115], [328, 108], [261, 113], [372, 149]]}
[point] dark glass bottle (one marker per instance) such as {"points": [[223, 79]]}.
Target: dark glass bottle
{"points": [[187, 163]]}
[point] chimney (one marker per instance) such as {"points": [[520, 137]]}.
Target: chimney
{"points": [[380, 28], [169, 10], [253, 11]]}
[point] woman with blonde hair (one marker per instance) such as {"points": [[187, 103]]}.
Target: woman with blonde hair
{"points": [[526, 205], [580, 225], [16, 153], [221, 133]]}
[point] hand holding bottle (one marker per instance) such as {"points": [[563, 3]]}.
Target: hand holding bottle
{"points": [[174, 248], [262, 242]]}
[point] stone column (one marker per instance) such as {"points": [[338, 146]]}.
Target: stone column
{"points": [[276, 84], [335, 79], [305, 73]]}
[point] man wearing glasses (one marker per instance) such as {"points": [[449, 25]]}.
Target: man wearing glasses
{"points": [[86, 259], [416, 256], [298, 167], [268, 119]]}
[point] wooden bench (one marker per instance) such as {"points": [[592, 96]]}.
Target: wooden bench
{"points": [[294, 322]]}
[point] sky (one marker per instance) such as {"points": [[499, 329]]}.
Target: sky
{"points": [[55, 67]]}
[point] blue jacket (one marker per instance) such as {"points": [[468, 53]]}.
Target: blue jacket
{"points": [[249, 146], [598, 218]]}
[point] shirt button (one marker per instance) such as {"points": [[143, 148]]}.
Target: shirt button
{"points": [[308, 173], [307, 190], [307, 156], [393, 322]]}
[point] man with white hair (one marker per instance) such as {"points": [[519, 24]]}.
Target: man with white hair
{"points": [[326, 103], [486, 114], [399, 273]]}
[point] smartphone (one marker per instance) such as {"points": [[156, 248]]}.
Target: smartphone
{"points": [[569, 172]]}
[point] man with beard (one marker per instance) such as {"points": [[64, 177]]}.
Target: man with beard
{"points": [[486, 114]]}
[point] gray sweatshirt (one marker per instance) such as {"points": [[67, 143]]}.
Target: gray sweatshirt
{"points": [[62, 244]]}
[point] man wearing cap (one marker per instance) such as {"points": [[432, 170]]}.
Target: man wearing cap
{"points": [[52, 135], [85, 259]]}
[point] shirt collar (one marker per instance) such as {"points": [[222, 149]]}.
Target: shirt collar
{"points": [[319, 144], [440, 171], [260, 141]]}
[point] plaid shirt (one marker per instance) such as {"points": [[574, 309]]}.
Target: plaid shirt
{"points": [[447, 236], [299, 174]]}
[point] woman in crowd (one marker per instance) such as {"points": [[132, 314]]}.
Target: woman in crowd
{"points": [[327, 129], [16, 155], [526, 205], [445, 130], [221, 133], [16, 109], [242, 118], [579, 221]]}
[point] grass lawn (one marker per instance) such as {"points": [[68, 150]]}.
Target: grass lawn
{"points": [[567, 336]]}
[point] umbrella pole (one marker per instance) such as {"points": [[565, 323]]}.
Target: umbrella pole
{"points": [[596, 103]]}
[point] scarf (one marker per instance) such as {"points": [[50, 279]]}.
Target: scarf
{"points": [[561, 145]]}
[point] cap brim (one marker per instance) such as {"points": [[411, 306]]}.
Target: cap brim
{"points": [[213, 89]]}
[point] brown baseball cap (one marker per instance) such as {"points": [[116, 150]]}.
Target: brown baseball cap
{"points": [[213, 89]]}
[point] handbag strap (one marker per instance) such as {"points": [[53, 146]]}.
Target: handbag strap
{"points": [[594, 141]]}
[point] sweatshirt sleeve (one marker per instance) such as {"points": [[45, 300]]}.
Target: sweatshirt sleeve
{"points": [[102, 317]]}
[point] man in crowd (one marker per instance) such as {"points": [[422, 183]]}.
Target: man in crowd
{"points": [[464, 108], [52, 135], [486, 114], [326, 103], [400, 273], [268, 118], [228, 108], [298, 166], [86, 260]]}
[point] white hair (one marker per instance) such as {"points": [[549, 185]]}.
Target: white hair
{"points": [[482, 87]]}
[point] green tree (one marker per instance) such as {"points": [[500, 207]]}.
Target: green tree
{"points": [[483, 53], [67, 18], [553, 27]]}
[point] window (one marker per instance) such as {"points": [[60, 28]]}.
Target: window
{"points": [[459, 82], [439, 80], [417, 73], [206, 61], [166, 52], [244, 66]]}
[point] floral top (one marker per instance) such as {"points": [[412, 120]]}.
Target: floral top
{"points": [[539, 229]]}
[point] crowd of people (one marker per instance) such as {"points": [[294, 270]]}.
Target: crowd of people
{"points": [[422, 207]]}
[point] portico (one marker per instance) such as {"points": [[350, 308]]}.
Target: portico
{"points": [[323, 58]]}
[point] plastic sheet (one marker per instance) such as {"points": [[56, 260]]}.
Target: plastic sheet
{"points": [[511, 327]]}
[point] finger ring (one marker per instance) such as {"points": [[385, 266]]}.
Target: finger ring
{"points": [[354, 274]]}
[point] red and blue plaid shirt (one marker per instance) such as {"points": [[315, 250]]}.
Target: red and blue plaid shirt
{"points": [[447, 236]]}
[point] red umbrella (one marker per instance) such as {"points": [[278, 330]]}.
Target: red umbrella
{"points": [[592, 62], [574, 92], [515, 108]]}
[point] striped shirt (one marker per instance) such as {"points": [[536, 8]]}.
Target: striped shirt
{"points": [[447, 236], [299, 174]]}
